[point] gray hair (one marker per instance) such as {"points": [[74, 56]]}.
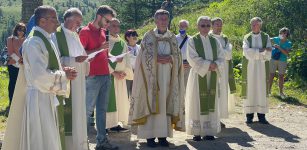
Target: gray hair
{"points": [[258, 19], [115, 19], [160, 12], [41, 12], [216, 19], [203, 18], [72, 12], [186, 21]]}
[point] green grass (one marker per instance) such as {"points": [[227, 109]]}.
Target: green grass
{"points": [[295, 96], [4, 100]]}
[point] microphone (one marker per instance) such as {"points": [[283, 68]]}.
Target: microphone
{"points": [[107, 35]]}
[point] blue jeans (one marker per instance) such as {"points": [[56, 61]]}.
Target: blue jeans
{"points": [[97, 93]]}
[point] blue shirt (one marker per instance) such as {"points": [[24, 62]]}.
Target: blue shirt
{"points": [[287, 45]]}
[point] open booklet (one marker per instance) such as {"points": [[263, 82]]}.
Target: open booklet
{"points": [[114, 58], [92, 55]]}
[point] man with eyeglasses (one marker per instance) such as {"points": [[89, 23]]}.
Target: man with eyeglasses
{"points": [[203, 93], [121, 71], [93, 38], [157, 89], [32, 123], [230, 89]]}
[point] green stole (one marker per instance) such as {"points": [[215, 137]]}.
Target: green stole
{"points": [[64, 109], [52, 65], [264, 38], [231, 79], [206, 94], [116, 50]]}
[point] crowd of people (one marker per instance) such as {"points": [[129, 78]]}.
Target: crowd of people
{"points": [[167, 82]]}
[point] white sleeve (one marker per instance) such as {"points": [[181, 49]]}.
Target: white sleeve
{"points": [[250, 53], [44, 79], [198, 64], [228, 51], [220, 62]]}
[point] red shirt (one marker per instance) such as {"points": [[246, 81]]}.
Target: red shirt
{"points": [[92, 38]]}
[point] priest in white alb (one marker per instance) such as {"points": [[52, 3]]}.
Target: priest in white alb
{"points": [[32, 123], [205, 87], [255, 72], [72, 114], [229, 103], [121, 70], [158, 84]]}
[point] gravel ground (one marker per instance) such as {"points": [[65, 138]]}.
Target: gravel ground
{"points": [[288, 130]]}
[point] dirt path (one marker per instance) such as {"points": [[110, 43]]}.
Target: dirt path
{"points": [[288, 130]]}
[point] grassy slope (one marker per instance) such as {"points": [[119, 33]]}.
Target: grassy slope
{"points": [[14, 11]]}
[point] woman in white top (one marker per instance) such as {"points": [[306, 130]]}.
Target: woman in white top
{"points": [[14, 42]]}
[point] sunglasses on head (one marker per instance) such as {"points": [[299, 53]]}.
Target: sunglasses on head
{"points": [[23, 30], [132, 34], [205, 25]]}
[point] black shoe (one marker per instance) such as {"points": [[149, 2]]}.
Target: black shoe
{"points": [[262, 119], [208, 138], [151, 142], [197, 138], [118, 129], [249, 118], [121, 129], [106, 145], [163, 142], [222, 125]]}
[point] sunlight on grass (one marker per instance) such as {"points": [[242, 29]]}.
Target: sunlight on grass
{"points": [[4, 102]]}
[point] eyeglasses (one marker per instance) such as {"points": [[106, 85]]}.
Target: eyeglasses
{"points": [[51, 17], [205, 25], [107, 20], [133, 34]]}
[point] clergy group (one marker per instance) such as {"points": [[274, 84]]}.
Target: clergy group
{"points": [[71, 75]]}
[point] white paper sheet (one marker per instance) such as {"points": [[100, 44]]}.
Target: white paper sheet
{"points": [[114, 58]]}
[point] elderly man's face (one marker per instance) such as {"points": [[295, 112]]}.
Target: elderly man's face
{"points": [[51, 22], [183, 26], [217, 27], [256, 26], [114, 27], [162, 22], [204, 26], [75, 22]]}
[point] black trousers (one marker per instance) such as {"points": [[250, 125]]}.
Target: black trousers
{"points": [[13, 74], [129, 87]]}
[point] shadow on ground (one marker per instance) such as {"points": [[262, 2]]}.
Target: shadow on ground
{"points": [[273, 131], [227, 135], [290, 100]]}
